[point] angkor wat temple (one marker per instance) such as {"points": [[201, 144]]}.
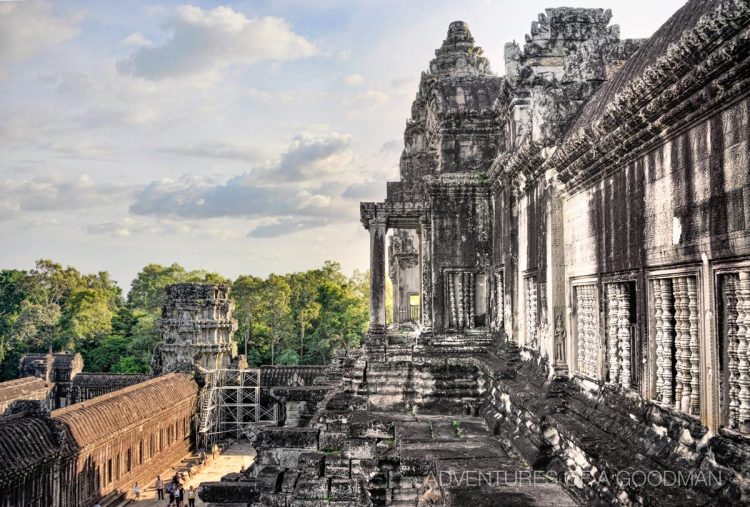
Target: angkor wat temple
{"points": [[569, 246]]}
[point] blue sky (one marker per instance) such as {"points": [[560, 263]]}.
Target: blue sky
{"points": [[237, 137]]}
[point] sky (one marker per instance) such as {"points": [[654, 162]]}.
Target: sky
{"points": [[237, 137]]}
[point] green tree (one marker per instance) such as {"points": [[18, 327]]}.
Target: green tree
{"points": [[304, 305], [276, 312], [87, 318], [147, 291], [36, 327], [11, 297], [247, 291]]}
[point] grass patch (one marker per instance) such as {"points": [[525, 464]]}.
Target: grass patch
{"points": [[457, 428]]}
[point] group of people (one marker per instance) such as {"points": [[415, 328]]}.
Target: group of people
{"points": [[177, 493]]}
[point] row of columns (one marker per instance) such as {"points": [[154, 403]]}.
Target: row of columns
{"points": [[378, 230]]}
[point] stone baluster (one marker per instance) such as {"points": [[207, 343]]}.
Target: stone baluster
{"points": [[425, 238], [581, 329], [532, 311], [452, 300], [499, 300], [694, 344], [659, 338], [460, 278], [743, 349], [591, 334], [668, 337], [730, 312], [682, 384], [623, 333], [612, 336], [471, 299]]}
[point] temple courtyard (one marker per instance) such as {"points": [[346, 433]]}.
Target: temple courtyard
{"points": [[237, 456]]}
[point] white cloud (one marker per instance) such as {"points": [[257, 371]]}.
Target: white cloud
{"points": [[136, 39], [217, 150], [115, 229], [55, 193], [206, 41], [303, 187], [365, 102], [314, 157], [8, 210], [29, 28], [354, 79], [392, 146]]}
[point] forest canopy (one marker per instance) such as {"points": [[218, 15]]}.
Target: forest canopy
{"points": [[297, 318]]}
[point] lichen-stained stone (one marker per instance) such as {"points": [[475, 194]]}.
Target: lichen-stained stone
{"points": [[296, 438], [196, 327], [311, 464], [90, 385], [269, 480], [25, 388], [240, 493]]}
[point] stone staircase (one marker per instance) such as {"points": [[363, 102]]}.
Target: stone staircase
{"points": [[473, 343], [410, 382]]}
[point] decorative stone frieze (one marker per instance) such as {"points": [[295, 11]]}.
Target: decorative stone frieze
{"points": [[196, 328]]}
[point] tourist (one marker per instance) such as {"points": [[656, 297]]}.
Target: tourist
{"points": [[159, 488], [170, 490], [137, 491], [191, 497], [178, 494]]}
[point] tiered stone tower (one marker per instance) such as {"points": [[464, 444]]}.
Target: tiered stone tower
{"points": [[196, 328]]}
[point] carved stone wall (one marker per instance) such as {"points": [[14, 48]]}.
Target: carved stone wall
{"points": [[196, 327]]}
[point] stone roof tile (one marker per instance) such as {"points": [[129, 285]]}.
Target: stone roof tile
{"points": [[98, 418]]}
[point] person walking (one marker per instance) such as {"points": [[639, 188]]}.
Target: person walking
{"points": [[191, 497], [137, 491], [159, 488]]}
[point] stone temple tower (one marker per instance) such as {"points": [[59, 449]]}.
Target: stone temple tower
{"points": [[196, 328]]}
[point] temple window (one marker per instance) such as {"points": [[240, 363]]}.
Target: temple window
{"points": [[586, 329], [499, 306], [622, 333], [414, 308], [734, 348], [674, 310], [530, 296], [467, 299]]}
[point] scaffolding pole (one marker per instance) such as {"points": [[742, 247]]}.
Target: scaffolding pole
{"points": [[230, 406]]}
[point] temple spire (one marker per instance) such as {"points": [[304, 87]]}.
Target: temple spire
{"points": [[458, 56]]}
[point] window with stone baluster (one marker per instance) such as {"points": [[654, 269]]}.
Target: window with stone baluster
{"points": [[586, 330], [733, 325], [498, 319], [674, 312], [466, 297], [621, 333], [531, 314]]}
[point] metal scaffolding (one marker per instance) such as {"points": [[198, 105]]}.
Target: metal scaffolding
{"points": [[230, 406]]}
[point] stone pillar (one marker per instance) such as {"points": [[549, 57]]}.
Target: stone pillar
{"points": [[425, 236], [377, 276], [555, 337]]}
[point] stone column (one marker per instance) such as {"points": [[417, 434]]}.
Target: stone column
{"points": [[377, 276], [425, 237], [555, 336]]}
